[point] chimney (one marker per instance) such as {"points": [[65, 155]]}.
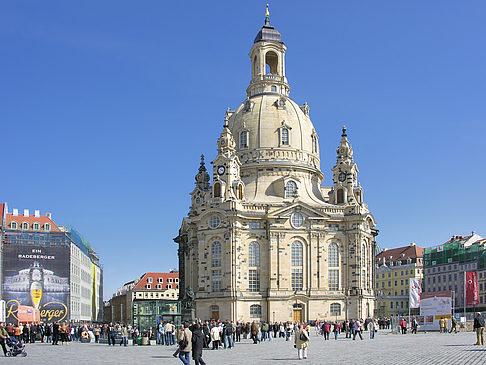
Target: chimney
{"points": [[37, 213], [49, 215], [15, 212], [26, 212]]}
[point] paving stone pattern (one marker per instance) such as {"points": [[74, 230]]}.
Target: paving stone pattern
{"points": [[386, 348]]}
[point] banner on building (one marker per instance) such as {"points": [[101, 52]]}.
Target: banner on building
{"points": [[36, 283], [472, 289], [414, 293]]}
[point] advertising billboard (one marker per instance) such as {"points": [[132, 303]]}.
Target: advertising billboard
{"points": [[434, 306], [36, 277]]}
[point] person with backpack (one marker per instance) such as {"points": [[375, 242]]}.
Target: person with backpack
{"points": [[185, 343], [301, 341]]}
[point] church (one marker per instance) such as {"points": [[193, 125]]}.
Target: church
{"points": [[264, 240]]}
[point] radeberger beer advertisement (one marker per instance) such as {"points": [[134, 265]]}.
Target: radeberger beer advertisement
{"points": [[36, 280]]}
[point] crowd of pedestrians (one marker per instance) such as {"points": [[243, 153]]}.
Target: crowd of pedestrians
{"points": [[191, 338]]}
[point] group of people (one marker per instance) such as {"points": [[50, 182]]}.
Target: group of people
{"points": [[194, 337], [351, 328]]}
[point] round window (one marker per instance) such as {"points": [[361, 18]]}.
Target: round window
{"points": [[214, 221], [297, 220]]}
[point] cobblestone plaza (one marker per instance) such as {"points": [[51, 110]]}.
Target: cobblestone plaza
{"points": [[386, 348]]}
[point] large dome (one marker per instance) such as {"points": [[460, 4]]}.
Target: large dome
{"points": [[272, 128]]}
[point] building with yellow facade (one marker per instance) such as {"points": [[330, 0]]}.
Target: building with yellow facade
{"points": [[394, 269]]}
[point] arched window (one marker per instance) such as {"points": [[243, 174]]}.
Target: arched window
{"points": [[25, 225], [47, 227], [240, 191], [35, 226], [13, 225], [290, 189], [217, 190], [254, 254], [244, 139], [297, 263], [333, 254], [284, 137], [271, 60], [335, 309], [340, 196], [274, 89], [216, 254], [254, 271], [364, 281], [255, 311], [297, 254]]}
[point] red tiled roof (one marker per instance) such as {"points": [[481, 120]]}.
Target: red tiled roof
{"points": [[155, 280], [43, 219], [410, 251]]}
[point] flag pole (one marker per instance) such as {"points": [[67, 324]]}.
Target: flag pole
{"points": [[409, 296], [465, 319]]}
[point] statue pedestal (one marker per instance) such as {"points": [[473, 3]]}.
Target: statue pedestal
{"points": [[188, 314]]}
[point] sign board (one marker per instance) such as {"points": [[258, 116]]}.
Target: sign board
{"points": [[434, 306], [36, 283]]}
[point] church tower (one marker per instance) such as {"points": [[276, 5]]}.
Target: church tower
{"points": [[268, 62], [264, 240], [346, 189]]}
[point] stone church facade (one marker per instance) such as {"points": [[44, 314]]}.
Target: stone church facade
{"points": [[264, 240]]}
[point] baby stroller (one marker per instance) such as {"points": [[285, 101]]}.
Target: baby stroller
{"points": [[15, 347]]}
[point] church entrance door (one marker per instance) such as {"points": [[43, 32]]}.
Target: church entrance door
{"points": [[297, 317]]}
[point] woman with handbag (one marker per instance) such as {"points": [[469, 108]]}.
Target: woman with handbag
{"points": [[301, 338]]}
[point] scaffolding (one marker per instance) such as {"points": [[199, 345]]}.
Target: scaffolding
{"points": [[455, 252]]}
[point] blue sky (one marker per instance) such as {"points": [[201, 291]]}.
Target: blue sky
{"points": [[107, 105]]}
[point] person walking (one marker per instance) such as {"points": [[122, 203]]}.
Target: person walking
{"points": [[48, 332], [160, 334], [336, 328], [372, 327], [301, 341], [215, 337], [3, 337], [479, 327], [185, 344], [453, 325], [64, 332], [124, 334], [96, 332], [55, 333], [414, 325], [326, 329], [207, 334], [254, 332], [228, 335], [198, 341], [111, 334], [403, 325], [441, 325], [357, 329]]}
